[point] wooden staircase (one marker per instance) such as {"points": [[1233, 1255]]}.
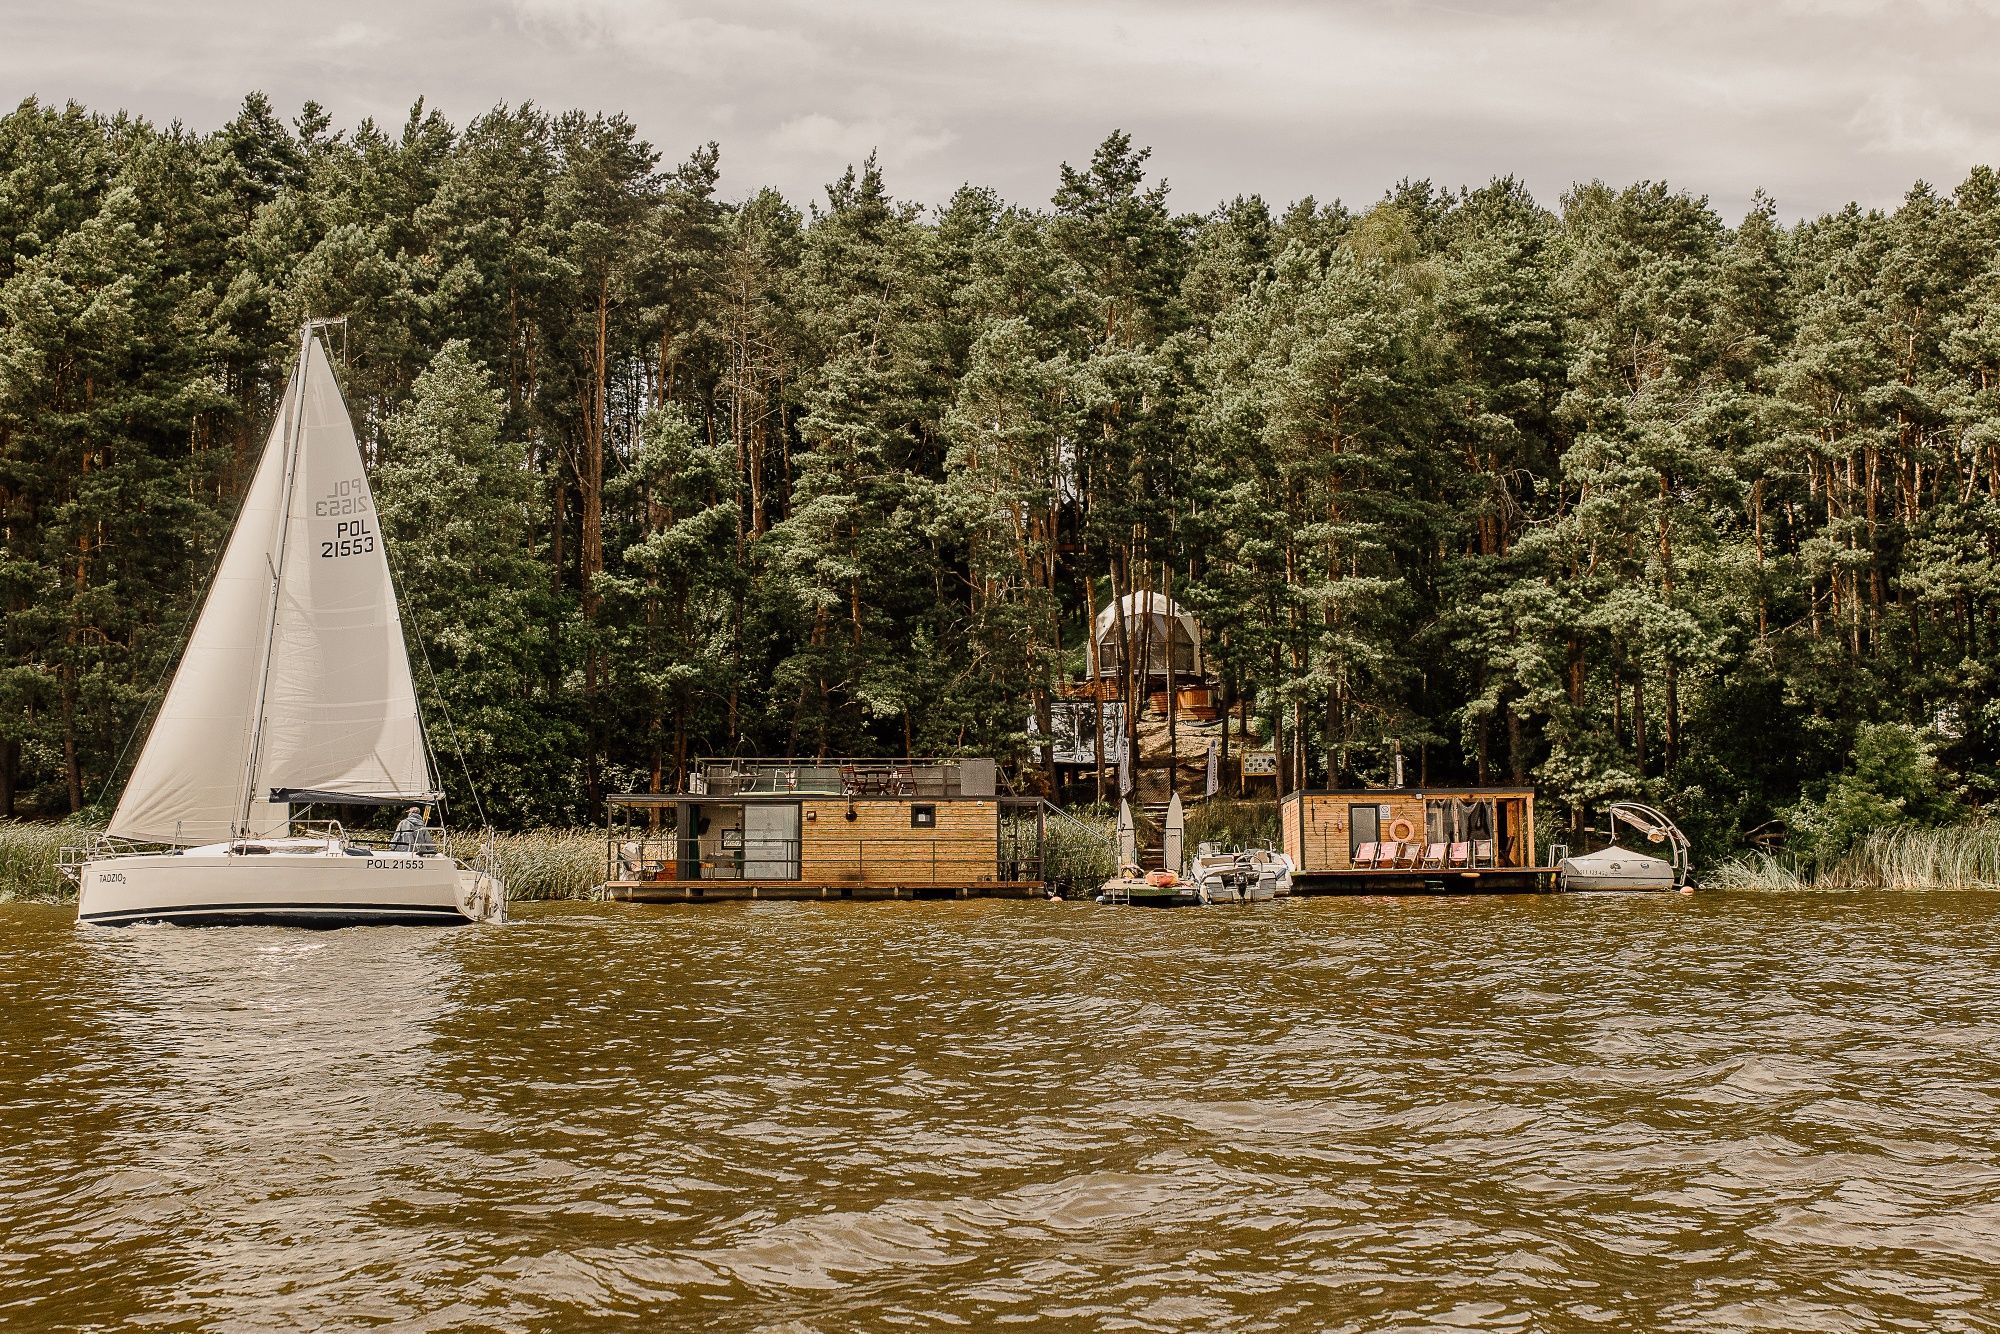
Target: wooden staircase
{"points": [[1152, 815]]}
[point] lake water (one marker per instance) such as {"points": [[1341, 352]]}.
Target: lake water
{"points": [[1656, 1112]]}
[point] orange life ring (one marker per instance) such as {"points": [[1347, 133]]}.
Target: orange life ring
{"points": [[1401, 830], [1160, 879]]}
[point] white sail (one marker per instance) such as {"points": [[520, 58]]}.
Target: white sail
{"points": [[340, 712], [340, 709], [1172, 836], [188, 784]]}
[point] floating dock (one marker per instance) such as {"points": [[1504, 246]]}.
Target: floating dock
{"points": [[727, 891], [1484, 880]]}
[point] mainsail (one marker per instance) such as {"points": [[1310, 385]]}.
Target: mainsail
{"points": [[298, 657]]}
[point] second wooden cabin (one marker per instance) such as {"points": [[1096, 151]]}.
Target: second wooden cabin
{"points": [[1405, 840]]}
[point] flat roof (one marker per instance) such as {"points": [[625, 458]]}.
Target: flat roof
{"points": [[755, 798], [1483, 790]]}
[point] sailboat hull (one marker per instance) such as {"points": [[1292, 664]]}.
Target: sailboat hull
{"points": [[235, 889]]}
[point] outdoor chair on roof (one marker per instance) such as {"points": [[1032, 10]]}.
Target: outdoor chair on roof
{"points": [[1365, 855]]}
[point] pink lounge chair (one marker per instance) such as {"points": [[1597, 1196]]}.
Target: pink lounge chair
{"points": [[1482, 852], [1366, 855], [1460, 855], [1400, 855], [1433, 855]]}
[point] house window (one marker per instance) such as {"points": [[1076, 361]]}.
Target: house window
{"points": [[923, 817]]}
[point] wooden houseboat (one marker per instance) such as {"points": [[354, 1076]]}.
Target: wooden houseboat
{"points": [[826, 829], [1437, 840]]}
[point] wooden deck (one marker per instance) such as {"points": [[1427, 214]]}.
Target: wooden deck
{"points": [[738, 891], [1484, 880]]}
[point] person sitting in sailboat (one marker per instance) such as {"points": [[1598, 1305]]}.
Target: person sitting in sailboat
{"points": [[412, 835]]}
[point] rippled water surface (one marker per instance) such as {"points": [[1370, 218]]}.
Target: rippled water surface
{"points": [[1725, 1111]]}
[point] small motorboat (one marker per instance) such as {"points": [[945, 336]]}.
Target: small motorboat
{"points": [[1257, 875], [1619, 868], [1274, 874], [1221, 875]]}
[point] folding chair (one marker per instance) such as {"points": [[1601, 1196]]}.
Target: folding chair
{"points": [[1365, 855], [1459, 856]]}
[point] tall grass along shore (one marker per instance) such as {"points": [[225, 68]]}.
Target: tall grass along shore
{"points": [[28, 853], [1964, 856]]}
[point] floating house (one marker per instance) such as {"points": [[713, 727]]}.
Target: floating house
{"points": [[827, 829], [1451, 840]]}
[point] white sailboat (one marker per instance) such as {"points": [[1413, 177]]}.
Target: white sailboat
{"points": [[294, 688]]}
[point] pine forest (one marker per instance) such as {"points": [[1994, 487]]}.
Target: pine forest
{"points": [[1607, 494]]}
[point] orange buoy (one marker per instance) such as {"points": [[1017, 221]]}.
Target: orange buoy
{"points": [[1401, 830]]}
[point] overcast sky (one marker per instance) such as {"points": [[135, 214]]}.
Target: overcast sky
{"points": [[1816, 101]]}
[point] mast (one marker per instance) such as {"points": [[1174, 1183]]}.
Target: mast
{"points": [[294, 406]]}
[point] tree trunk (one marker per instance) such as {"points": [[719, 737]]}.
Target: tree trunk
{"points": [[10, 776]]}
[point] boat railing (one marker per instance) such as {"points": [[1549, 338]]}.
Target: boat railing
{"points": [[433, 839], [70, 860]]}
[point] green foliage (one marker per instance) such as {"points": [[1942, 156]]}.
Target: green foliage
{"points": [[1892, 780], [1614, 498], [456, 500]]}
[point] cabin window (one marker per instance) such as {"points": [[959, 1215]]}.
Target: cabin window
{"points": [[923, 817], [1364, 825], [1454, 820]]}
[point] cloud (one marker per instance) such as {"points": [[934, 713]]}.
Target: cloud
{"points": [[1905, 122], [816, 135], [1817, 101], [354, 36]]}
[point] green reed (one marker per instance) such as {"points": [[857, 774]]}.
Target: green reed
{"points": [[1233, 824], [1755, 870], [545, 863], [1080, 849], [1962, 856], [28, 855]]}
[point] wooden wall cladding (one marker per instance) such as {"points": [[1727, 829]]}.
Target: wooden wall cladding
{"points": [[879, 846]]}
